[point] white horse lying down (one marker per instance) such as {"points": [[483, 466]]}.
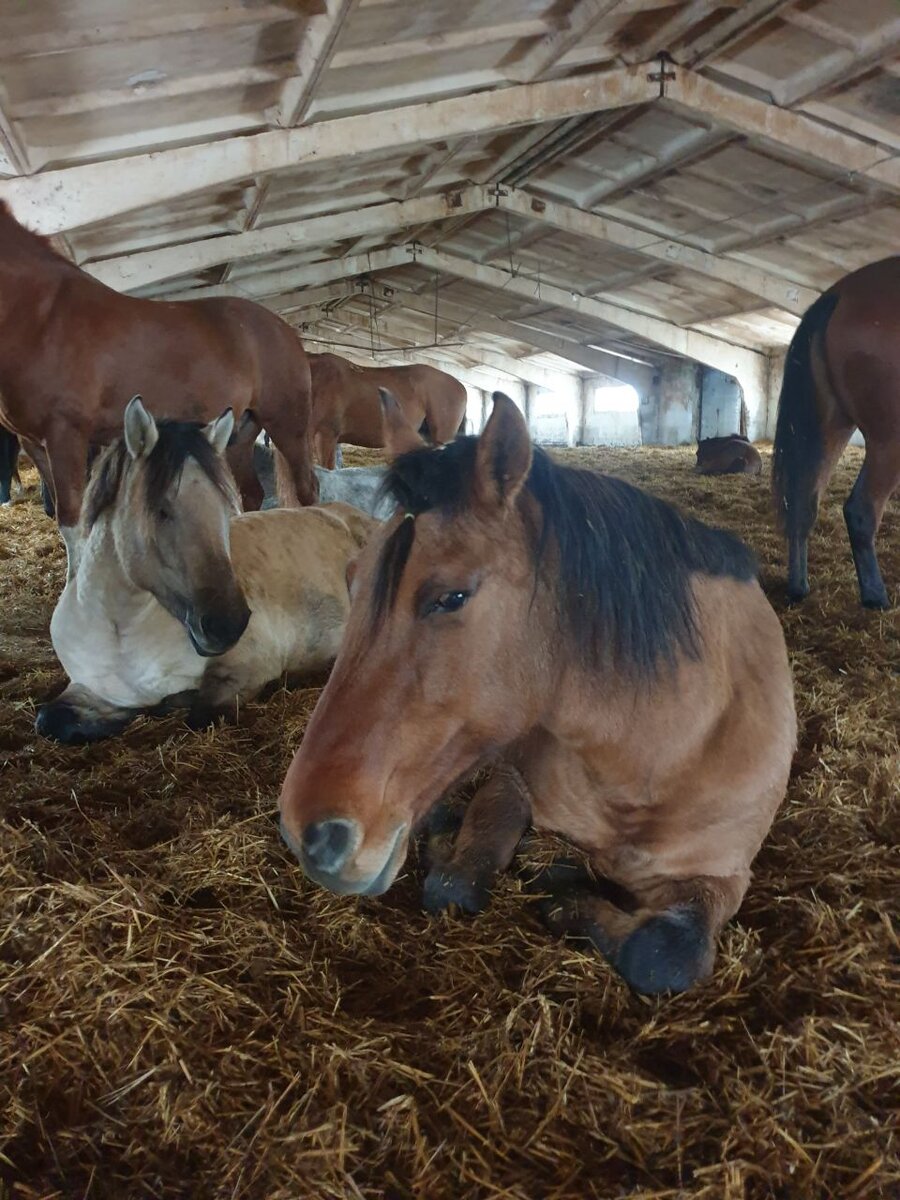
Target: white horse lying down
{"points": [[179, 600], [359, 486]]}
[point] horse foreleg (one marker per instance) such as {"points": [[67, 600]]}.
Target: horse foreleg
{"points": [[660, 938], [462, 872], [67, 455], [863, 510], [293, 464], [79, 716], [240, 460]]}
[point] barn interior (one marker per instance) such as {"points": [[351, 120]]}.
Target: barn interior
{"points": [[615, 211]]}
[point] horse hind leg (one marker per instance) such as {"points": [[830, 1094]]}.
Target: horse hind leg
{"points": [[660, 939], [863, 510], [806, 507], [463, 868]]}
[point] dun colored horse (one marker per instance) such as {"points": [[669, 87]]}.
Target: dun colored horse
{"points": [[842, 373], [618, 659], [179, 601], [731, 455], [73, 351], [345, 405]]}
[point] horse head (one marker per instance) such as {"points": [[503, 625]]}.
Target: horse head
{"points": [[169, 497]]}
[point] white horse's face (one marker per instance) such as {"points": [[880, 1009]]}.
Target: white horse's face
{"points": [[171, 525]]}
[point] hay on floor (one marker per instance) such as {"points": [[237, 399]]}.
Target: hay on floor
{"points": [[183, 1015]]}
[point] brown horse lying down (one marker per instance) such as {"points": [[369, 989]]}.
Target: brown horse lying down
{"points": [[842, 373], [346, 408], [619, 659], [179, 600], [732, 455]]}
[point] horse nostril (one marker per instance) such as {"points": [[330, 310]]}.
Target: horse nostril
{"points": [[327, 844]]}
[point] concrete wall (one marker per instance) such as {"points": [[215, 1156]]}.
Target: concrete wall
{"points": [[609, 426], [719, 407], [667, 411]]}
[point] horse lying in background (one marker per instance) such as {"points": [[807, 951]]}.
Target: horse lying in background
{"points": [[359, 486], [731, 455], [179, 601], [346, 408], [618, 658]]}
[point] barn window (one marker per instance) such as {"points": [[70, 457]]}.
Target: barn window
{"points": [[618, 397]]}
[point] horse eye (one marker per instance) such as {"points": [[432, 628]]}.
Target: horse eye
{"points": [[165, 514], [449, 602]]}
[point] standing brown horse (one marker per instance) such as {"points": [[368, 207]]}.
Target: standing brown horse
{"points": [[345, 405], [73, 352], [619, 658], [842, 373]]}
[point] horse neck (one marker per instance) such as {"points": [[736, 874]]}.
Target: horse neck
{"points": [[101, 577], [30, 271]]}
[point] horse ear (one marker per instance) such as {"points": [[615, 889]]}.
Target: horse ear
{"points": [[141, 434], [399, 434], [503, 455], [218, 432]]}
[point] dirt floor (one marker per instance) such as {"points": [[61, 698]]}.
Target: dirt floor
{"points": [[182, 1015]]}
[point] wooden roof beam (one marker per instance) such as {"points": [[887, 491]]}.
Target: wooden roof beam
{"points": [[75, 196], [799, 133]]}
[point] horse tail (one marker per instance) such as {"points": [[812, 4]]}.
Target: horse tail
{"points": [[799, 443]]}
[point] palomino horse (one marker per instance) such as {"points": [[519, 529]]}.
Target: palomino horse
{"points": [[619, 659], [177, 599], [842, 373], [345, 405], [72, 351]]}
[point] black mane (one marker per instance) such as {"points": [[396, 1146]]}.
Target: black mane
{"points": [[177, 442], [624, 558]]}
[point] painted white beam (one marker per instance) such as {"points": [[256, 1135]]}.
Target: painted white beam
{"points": [[800, 134], [845, 64], [392, 50], [737, 360], [163, 89], [784, 294], [130, 271], [461, 317], [416, 333], [668, 32], [70, 35], [315, 52], [543, 56], [76, 196], [273, 284], [13, 151], [748, 15]]}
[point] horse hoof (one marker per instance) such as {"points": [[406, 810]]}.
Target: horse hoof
{"points": [[668, 953], [442, 891], [59, 723], [796, 597], [876, 603]]}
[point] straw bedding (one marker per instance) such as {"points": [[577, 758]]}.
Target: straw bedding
{"points": [[183, 1015]]}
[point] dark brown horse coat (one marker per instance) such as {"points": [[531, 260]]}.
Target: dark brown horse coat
{"points": [[842, 373], [731, 455], [346, 408], [73, 352]]}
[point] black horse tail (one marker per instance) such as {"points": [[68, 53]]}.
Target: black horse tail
{"points": [[799, 445]]}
